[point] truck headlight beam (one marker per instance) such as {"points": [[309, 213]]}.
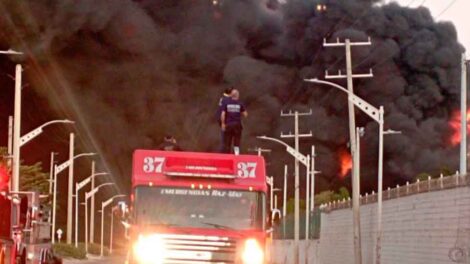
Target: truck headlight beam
{"points": [[150, 249], [253, 253]]}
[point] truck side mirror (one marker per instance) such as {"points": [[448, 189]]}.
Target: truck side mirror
{"points": [[275, 217]]}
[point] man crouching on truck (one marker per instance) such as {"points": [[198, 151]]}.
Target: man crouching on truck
{"points": [[231, 122]]}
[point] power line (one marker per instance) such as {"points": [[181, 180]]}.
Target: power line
{"points": [[447, 8], [410, 3]]}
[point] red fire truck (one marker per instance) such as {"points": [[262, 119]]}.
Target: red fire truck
{"points": [[24, 231], [191, 207]]}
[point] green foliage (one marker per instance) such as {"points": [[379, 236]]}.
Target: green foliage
{"points": [[422, 176], [446, 171], [324, 197], [291, 205], [321, 198], [330, 196], [32, 177], [343, 193], [69, 251], [95, 249]]}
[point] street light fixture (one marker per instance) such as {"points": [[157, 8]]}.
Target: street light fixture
{"points": [[392, 132], [78, 187], [11, 52], [297, 155], [58, 169], [36, 132], [25, 139], [103, 207], [88, 195], [378, 116]]}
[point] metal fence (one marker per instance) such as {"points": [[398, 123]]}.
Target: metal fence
{"points": [[428, 185], [285, 229]]}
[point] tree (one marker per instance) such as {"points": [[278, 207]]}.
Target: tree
{"points": [[291, 205], [321, 198], [422, 176], [330, 196], [32, 177]]}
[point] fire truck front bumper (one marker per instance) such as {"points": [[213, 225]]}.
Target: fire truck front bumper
{"points": [[195, 249]]}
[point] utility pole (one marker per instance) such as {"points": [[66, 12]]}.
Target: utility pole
{"points": [[15, 181], [313, 173], [296, 137], [284, 204], [352, 126], [10, 143], [70, 190], [463, 118], [92, 205], [260, 151], [307, 199]]}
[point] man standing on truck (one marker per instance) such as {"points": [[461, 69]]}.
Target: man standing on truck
{"points": [[231, 119], [226, 96]]}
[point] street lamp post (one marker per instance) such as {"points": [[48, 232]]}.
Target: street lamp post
{"points": [[58, 169], [88, 195], [78, 187], [378, 116], [14, 185], [33, 134], [299, 157], [51, 181], [15, 180], [115, 208], [103, 207], [270, 181], [18, 141]]}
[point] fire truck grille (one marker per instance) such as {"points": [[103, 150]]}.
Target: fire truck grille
{"points": [[192, 249]]}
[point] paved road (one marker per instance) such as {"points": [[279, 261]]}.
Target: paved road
{"points": [[96, 260]]}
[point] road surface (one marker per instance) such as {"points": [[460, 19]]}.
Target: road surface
{"points": [[96, 260]]}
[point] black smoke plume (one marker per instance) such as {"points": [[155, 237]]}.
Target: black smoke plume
{"points": [[132, 71]]}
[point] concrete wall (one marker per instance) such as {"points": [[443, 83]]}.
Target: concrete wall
{"points": [[422, 228], [283, 251], [425, 228]]}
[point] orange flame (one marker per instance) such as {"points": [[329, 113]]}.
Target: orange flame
{"points": [[454, 124], [345, 162]]}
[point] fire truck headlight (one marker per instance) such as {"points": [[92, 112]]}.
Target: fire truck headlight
{"points": [[30, 256], [149, 249], [252, 253]]}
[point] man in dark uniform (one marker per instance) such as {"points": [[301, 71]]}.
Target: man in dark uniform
{"points": [[169, 144], [231, 118], [223, 100]]}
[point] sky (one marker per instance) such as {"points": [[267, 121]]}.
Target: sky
{"points": [[457, 12]]}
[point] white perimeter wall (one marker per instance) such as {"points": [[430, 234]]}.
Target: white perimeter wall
{"points": [[418, 229]]}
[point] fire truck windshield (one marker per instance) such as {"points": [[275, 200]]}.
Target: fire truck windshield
{"points": [[186, 207]]}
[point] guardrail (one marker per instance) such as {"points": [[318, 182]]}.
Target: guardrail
{"points": [[429, 185]]}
